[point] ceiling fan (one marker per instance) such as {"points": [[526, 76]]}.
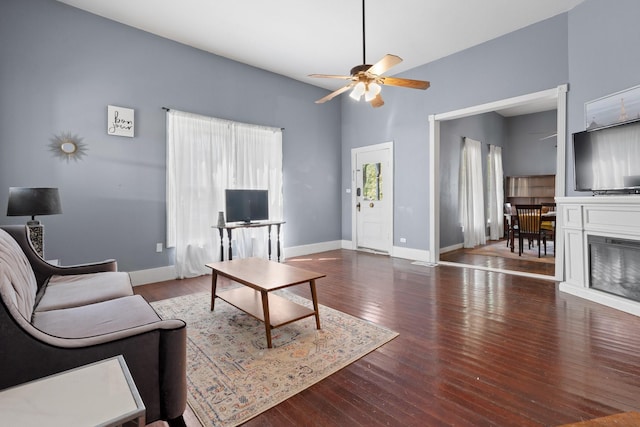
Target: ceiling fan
{"points": [[366, 79]]}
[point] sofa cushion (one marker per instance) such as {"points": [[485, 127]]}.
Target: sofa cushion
{"points": [[96, 319], [17, 273], [81, 289]]}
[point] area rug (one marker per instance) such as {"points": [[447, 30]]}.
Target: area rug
{"points": [[500, 249], [231, 374]]}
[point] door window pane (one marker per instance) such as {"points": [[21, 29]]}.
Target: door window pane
{"points": [[372, 179]]}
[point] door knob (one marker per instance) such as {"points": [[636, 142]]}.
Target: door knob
{"points": [[371, 204], [358, 206]]}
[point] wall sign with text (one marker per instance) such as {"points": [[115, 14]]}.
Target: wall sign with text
{"points": [[120, 121]]}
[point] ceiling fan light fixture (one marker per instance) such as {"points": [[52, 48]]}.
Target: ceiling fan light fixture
{"points": [[373, 89], [366, 79], [358, 91]]}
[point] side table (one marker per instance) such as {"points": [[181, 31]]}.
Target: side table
{"points": [[98, 394]]}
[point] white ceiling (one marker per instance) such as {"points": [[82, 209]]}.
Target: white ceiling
{"points": [[295, 38]]}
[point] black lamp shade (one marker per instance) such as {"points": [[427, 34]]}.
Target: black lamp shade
{"points": [[33, 201]]}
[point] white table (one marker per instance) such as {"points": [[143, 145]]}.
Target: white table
{"points": [[99, 394]]}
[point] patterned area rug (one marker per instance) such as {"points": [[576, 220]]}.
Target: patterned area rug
{"points": [[231, 374]]}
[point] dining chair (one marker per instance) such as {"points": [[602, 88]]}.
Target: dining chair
{"points": [[529, 221], [548, 225], [510, 223]]}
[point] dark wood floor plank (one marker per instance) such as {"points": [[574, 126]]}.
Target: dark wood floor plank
{"points": [[475, 348]]}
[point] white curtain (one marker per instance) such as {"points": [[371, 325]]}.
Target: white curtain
{"points": [[471, 196], [205, 156], [495, 193]]}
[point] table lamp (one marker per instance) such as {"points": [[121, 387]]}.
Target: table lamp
{"points": [[31, 202]]}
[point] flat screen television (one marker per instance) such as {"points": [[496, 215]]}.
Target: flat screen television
{"points": [[608, 159], [247, 205]]}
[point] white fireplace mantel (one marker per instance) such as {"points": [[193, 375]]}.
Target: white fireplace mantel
{"points": [[609, 216]]}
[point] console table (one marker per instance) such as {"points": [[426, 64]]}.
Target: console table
{"points": [[232, 226], [98, 394]]}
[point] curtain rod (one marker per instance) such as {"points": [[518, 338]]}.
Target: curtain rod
{"points": [[282, 129]]}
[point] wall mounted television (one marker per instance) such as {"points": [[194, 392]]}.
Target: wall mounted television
{"points": [[607, 160], [247, 205]]}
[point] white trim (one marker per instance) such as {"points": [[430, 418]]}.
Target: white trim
{"points": [[313, 248], [434, 189], [162, 274], [389, 183], [497, 270], [516, 101], [347, 244], [559, 93], [411, 254], [152, 275], [603, 298], [452, 248]]}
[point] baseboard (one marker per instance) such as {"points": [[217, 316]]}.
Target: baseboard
{"points": [[609, 300], [451, 248], [152, 275], [347, 244], [161, 274], [397, 252], [314, 248], [409, 253]]}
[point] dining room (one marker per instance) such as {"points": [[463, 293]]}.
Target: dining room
{"points": [[528, 162]]}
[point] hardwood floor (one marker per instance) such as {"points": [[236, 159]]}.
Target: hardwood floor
{"points": [[465, 256], [476, 348]]}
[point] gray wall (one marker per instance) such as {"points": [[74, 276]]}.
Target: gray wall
{"points": [[603, 59], [526, 152], [60, 67], [529, 60]]}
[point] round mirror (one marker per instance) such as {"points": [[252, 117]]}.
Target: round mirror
{"points": [[68, 147]]}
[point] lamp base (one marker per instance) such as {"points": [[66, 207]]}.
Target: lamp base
{"points": [[36, 235]]}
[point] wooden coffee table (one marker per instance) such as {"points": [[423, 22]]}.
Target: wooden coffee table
{"points": [[260, 277]]}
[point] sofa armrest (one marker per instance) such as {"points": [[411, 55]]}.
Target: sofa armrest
{"points": [[42, 269], [173, 379]]}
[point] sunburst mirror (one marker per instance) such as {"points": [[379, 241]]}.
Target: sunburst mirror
{"points": [[67, 146]]}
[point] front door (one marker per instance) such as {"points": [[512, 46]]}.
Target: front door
{"points": [[373, 199]]}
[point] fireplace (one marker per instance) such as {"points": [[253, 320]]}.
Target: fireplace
{"points": [[614, 266]]}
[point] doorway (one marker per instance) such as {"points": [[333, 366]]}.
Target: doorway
{"points": [[556, 97], [372, 198]]}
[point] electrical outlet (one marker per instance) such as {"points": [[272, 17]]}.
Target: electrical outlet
{"points": [[403, 240], [158, 247]]}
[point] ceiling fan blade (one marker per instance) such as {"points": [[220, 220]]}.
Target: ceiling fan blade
{"points": [[413, 84], [334, 94], [377, 101], [384, 64], [330, 76]]}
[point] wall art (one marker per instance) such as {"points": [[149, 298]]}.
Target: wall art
{"points": [[614, 109], [67, 146], [120, 121]]}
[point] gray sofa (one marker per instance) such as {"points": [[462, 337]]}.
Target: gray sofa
{"points": [[56, 318]]}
